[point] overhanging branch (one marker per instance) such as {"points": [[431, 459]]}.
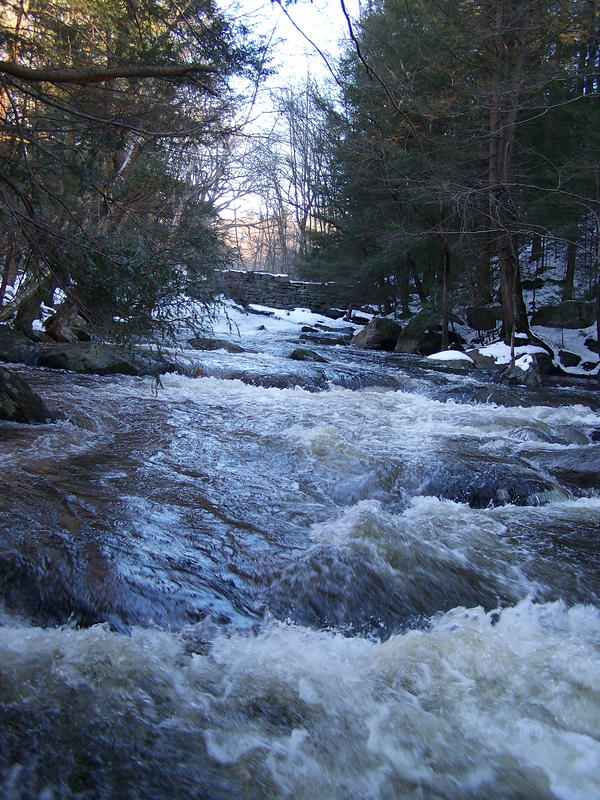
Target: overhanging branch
{"points": [[85, 76]]}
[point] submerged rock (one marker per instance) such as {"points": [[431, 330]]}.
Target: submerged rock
{"points": [[379, 334], [484, 482], [18, 402], [208, 343], [306, 355], [354, 590]]}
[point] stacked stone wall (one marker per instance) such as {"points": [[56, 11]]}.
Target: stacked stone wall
{"points": [[281, 291]]}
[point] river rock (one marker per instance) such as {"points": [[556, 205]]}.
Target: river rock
{"points": [[18, 402], [306, 355], [524, 374], [316, 338], [480, 360], [16, 348], [352, 589], [103, 359], [568, 314], [380, 334], [484, 481], [452, 358], [208, 343]]}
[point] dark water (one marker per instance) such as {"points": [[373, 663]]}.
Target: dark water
{"points": [[383, 584]]}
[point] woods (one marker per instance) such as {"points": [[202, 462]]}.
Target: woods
{"points": [[108, 112], [464, 144], [454, 156]]}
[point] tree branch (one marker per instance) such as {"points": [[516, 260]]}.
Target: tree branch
{"points": [[85, 76]]}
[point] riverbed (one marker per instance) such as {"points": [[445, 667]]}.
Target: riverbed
{"points": [[364, 578]]}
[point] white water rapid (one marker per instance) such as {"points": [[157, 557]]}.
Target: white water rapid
{"points": [[233, 588]]}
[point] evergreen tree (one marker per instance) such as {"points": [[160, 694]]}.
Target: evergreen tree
{"points": [[105, 106]]}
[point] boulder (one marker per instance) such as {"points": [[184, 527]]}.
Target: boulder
{"points": [[521, 374], [480, 360], [568, 314], [592, 345], [380, 334], [76, 330], [16, 348], [568, 359], [484, 318], [423, 335], [18, 402], [330, 340], [307, 355], [207, 343], [532, 284], [103, 359]]}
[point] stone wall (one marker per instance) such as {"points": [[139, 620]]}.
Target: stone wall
{"points": [[281, 291]]}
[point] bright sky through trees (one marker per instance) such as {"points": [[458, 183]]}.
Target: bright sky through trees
{"points": [[321, 21]]}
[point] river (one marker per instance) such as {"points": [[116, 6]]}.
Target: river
{"points": [[360, 579]]}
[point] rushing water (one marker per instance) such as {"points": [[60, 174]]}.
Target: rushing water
{"points": [[384, 584]]}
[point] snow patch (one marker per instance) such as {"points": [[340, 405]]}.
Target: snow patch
{"points": [[450, 355], [501, 353]]}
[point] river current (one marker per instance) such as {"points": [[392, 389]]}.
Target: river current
{"points": [[360, 579]]}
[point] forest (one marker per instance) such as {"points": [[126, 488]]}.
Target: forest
{"points": [[456, 147]]}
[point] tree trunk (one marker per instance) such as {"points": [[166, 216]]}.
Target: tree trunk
{"points": [[509, 43], [511, 291], [445, 281], [569, 284]]}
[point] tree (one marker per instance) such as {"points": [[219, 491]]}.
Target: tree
{"points": [[108, 109], [448, 109]]}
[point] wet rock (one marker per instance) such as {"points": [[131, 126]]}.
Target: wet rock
{"points": [[18, 402], [379, 334], [515, 375], [306, 355], [330, 340], [16, 348], [568, 314], [356, 591], [569, 359], [208, 343], [577, 468], [103, 359], [483, 482], [317, 382]]}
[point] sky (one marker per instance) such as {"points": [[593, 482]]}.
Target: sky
{"points": [[322, 21], [293, 59]]}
